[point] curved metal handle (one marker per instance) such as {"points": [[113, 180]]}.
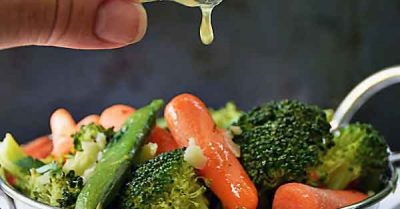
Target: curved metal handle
{"points": [[362, 92], [395, 157]]}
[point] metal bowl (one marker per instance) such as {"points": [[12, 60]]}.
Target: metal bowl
{"points": [[10, 198]]}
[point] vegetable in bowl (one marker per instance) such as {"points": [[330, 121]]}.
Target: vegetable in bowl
{"points": [[282, 142], [360, 156], [199, 158], [48, 184], [166, 182]]}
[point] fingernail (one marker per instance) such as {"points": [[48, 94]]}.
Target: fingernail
{"points": [[121, 22]]}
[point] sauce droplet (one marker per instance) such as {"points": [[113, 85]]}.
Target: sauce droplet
{"points": [[206, 29]]}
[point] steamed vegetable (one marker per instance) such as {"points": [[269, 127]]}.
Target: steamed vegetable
{"points": [[166, 182], [115, 116], [226, 116], [249, 160], [360, 153], [54, 187], [164, 140], [300, 196], [89, 143], [146, 153], [117, 158], [39, 148], [62, 127], [45, 183], [188, 119], [282, 141], [10, 154], [92, 133]]}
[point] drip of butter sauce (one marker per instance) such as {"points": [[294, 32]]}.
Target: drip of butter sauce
{"points": [[206, 29], [206, 7]]}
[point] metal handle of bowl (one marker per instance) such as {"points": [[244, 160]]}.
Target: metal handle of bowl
{"points": [[361, 93], [395, 157]]}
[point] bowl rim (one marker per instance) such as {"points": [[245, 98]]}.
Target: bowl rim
{"points": [[15, 195], [376, 198], [389, 188]]}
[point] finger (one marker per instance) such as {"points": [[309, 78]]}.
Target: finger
{"points": [[88, 24]]}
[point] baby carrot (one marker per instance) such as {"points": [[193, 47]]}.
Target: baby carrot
{"points": [[62, 127], [163, 139], [188, 119], [115, 116], [301, 196], [39, 148]]}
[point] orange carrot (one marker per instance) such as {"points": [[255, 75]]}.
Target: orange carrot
{"points": [[62, 127], [188, 119], [39, 148], [88, 120], [163, 139], [115, 116], [301, 196]]}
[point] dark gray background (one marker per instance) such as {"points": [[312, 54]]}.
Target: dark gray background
{"points": [[313, 50]]}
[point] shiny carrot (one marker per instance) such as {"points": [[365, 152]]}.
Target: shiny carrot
{"points": [[301, 196], [62, 127], [163, 139], [39, 148], [188, 119]]}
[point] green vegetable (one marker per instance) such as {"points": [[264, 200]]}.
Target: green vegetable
{"points": [[146, 153], [166, 182], [117, 158], [282, 141], [54, 188], [360, 153], [83, 161], [89, 142], [226, 116], [28, 163], [10, 154], [92, 133], [45, 183]]}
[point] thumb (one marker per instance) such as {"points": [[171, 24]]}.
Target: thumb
{"points": [[79, 24]]}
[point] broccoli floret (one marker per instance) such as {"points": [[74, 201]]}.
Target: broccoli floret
{"points": [[54, 187], [360, 153], [92, 133], [89, 142], [226, 116], [281, 141], [165, 182]]}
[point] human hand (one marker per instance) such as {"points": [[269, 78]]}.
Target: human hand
{"points": [[78, 24]]}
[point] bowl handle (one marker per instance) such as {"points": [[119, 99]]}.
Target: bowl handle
{"points": [[395, 157], [361, 93]]}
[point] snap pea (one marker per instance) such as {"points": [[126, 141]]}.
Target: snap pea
{"points": [[110, 171]]}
